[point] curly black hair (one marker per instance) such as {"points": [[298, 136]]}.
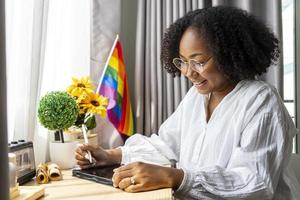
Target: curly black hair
{"points": [[242, 45]]}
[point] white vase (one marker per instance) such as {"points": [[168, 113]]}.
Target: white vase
{"points": [[63, 154]]}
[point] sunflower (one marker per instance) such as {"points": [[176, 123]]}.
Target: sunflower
{"points": [[82, 102], [95, 103], [80, 86]]}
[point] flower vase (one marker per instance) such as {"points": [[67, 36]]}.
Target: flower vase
{"points": [[63, 154]]}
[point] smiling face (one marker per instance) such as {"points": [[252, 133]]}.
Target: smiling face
{"points": [[210, 79]]}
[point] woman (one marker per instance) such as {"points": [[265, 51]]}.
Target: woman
{"points": [[231, 135]]}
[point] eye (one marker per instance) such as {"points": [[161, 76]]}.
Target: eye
{"points": [[198, 64]]}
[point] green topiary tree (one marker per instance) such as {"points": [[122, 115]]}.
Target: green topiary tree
{"points": [[57, 111]]}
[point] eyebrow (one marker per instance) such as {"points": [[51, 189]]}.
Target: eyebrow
{"points": [[193, 55]]}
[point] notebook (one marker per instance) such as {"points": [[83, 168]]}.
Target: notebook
{"points": [[100, 174]]}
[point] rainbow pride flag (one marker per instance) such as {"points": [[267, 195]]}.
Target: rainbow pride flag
{"points": [[113, 85]]}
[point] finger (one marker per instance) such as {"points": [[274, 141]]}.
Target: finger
{"points": [[79, 148], [86, 166], [124, 167], [79, 157], [81, 163], [124, 183], [135, 188], [82, 157], [89, 147], [118, 176], [89, 156]]}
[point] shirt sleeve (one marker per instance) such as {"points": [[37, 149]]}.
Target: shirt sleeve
{"points": [[254, 168], [163, 148]]}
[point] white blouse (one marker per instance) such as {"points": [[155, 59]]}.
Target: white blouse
{"points": [[242, 152]]}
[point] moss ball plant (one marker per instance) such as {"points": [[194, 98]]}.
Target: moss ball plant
{"points": [[57, 110]]}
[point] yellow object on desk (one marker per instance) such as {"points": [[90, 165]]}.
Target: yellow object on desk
{"points": [[41, 174], [30, 193], [54, 172], [75, 188], [48, 171]]}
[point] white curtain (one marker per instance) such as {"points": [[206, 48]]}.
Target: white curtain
{"points": [[48, 42], [19, 30], [105, 25], [158, 95]]}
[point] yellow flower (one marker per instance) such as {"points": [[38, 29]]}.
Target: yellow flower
{"points": [[83, 102], [95, 103], [80, 86]]}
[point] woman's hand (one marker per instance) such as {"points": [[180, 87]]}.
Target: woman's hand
{"points": [[100, 156], [138, 176]]}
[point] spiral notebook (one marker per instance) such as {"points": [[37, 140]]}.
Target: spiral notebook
{"points": [[100, 174]]}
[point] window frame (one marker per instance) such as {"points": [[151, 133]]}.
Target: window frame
{"points": [[297, 71]]}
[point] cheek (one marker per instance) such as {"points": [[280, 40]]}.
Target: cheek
{"points": [[214, 77]]}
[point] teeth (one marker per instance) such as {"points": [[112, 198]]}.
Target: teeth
{"points": [[199, 83]]}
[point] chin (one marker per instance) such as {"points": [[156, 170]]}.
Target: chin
{"points": [[203, 92]]}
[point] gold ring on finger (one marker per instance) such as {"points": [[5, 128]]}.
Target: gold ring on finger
{"points": [[132, 181]]}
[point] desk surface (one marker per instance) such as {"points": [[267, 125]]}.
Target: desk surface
{"points": [[75, 188]]}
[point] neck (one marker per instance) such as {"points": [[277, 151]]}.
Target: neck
{"points": [[222, 92]]}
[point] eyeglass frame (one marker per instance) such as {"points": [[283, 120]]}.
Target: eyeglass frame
{"points": [[188, 64]]}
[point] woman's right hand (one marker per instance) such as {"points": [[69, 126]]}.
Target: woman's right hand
{"points": [[100, 156]]}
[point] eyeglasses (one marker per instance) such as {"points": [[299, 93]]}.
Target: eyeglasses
{"points": [[194, 64]]}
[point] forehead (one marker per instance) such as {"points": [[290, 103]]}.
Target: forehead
{"points": [[191, 42]]}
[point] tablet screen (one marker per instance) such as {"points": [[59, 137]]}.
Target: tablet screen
{"points": [[100, 174]]}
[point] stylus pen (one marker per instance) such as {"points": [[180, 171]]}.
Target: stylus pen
{"points": [[86, 141]]}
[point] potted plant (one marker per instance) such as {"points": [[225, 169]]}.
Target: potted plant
{"points": [[59, 111]]}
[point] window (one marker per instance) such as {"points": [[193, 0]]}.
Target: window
{"points": [[288, 36], [44, 50]]}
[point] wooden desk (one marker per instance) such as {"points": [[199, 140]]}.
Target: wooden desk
{"points": [[75, 188]]}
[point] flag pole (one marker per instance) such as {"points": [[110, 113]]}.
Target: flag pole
{"points": [[106, 64]]}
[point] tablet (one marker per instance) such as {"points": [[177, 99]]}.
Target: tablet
{"points": [[100, 174]]}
